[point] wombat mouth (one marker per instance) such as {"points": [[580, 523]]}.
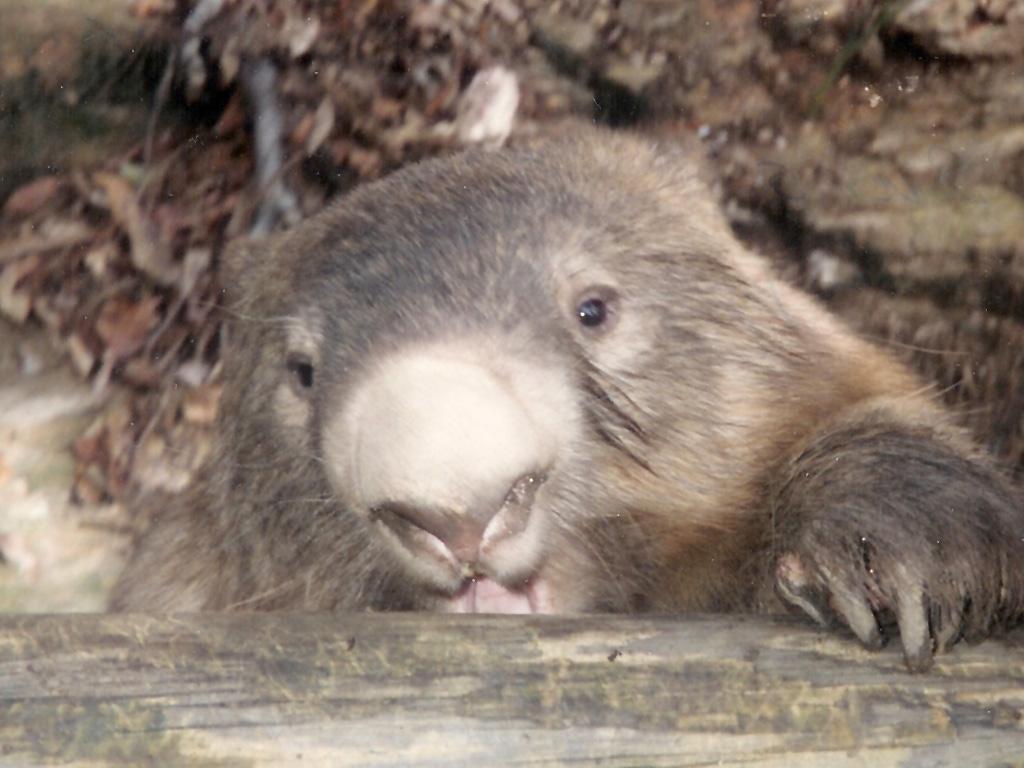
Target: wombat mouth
{"points": [[483, 595]]}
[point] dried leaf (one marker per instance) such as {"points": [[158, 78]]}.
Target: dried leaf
{"points": [[171, 220], [200, 405], [149, 255], [15, 302], [323, 124], [141, 372], [197, 263], [232, 119], [99, 259], [386, 109], [303, 129], [51, 235], [88, 489], [91, 448], [367, 163], [16, 550], [82, 357], [507, 10], [32, 196], [230, 63], [93, 456], [44, 309], [301, 34], [124, 325], [145, 9], [110, 456]]}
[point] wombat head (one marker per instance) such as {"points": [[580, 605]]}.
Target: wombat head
{"points": [[505, 382]]}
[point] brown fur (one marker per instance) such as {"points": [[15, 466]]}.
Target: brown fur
{"points": [[738, 435]]}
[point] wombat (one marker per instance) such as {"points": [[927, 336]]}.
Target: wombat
{"points": [[550, 379]]}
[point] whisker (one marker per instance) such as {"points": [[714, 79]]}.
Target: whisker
{"points": [[262, 595]]}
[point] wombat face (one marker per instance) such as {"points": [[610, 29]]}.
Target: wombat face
{"points": [[503, 375], [551, 380]]}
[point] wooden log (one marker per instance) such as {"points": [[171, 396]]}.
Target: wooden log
{"points": [[417, 689]]}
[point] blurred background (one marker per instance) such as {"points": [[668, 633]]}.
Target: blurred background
{"points": [[874, 150]]}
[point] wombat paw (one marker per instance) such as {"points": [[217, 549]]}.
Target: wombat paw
{"points": [[867, 601]]}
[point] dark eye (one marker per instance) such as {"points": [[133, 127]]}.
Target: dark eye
{"points": [[301, 369], [592, 312], [595, 308]]}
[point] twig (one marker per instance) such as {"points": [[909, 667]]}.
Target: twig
{"points": [[259, 79]]}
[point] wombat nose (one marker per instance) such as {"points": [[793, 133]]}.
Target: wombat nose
{"points": [[466, 535], [446, 446]]}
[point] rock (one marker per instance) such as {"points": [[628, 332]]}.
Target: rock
{"points": [[967, 156], [818, 24], [971, 28], [567, 35], [922, 233], [487, 109], [633, 74], [828, 273]]}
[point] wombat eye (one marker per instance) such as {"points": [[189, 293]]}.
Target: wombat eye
{"points": [[592, 312], [595, 309], [301, 369]]}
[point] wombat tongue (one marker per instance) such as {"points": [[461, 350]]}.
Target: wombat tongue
{"points": [[488, 596]]}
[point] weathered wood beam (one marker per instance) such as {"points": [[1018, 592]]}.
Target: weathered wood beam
{"points": [[414, 689]]}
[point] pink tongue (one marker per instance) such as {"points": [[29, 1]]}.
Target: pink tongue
{"points": [[488, 596]]}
